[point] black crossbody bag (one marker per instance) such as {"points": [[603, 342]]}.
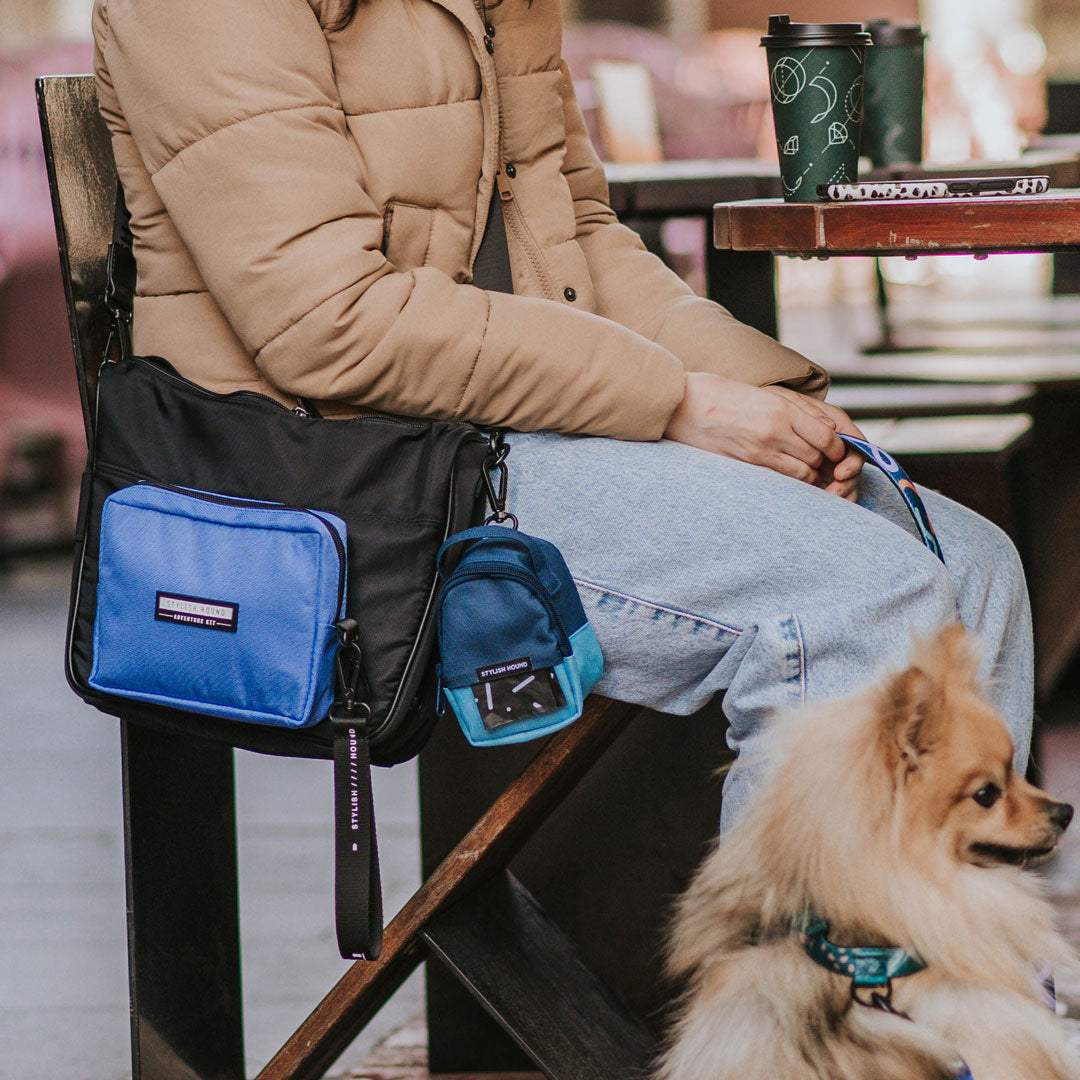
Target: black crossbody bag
{"points": [[396, 488]]}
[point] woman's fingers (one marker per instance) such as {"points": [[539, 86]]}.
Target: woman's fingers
{"points": [[791, 466], [773, 427], [846, 489], [850, 467], [818, 433]]}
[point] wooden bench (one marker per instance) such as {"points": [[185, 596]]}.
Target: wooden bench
{"points": [[471, 918], [890, 400], [977, 460]]}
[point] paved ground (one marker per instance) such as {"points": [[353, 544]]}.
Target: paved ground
{"points": [[63, 977], [63, 991]]}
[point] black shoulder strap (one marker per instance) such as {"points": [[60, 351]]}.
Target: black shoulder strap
{"points": [[121, 274]]}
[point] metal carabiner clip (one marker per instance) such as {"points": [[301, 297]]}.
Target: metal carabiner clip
{"points": [[351, 687], [496, 462]]}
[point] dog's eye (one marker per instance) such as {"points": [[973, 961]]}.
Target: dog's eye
{"points": [[987, 796]]}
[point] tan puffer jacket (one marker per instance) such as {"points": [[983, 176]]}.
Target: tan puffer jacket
{"points": [[307, 204]]}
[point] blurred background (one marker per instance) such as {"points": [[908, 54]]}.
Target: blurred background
{"points": [[970, 369], [688, 82]]}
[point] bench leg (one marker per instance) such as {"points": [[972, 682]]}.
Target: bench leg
{"points": [[482, 854], [527, 975], [606, 866], [744, 282], [183, 930]]}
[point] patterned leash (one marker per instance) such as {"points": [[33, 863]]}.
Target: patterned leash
{"points": [[908, 491], [910, 494]]}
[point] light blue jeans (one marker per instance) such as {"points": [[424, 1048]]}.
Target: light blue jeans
{"points": [[700, 574]]}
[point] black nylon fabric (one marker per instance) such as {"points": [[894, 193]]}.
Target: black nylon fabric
{"points": [[401, 486]]}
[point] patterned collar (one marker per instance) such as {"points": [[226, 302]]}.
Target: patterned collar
{"points": [[872, 967], [866, 966]]}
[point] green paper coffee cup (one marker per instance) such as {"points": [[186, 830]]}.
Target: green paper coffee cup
{"points": [[895, 73], [816, 74]]}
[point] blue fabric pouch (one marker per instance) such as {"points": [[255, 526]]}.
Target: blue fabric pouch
{"points": [[219, 605], [517, 654]]}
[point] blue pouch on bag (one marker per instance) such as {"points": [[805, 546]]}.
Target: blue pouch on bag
{"points": [[218, 605], [518, 656]]}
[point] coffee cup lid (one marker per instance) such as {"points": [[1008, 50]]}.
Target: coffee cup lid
{"points": [[884, 32], [782, 31]]}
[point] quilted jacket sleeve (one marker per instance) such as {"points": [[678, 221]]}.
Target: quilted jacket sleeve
{"points": [[634, 288], [234, 110]]}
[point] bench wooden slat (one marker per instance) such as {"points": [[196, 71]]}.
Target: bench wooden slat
{"points": [[948, 434]]}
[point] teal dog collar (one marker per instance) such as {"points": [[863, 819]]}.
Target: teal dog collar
{"points": [[866, 966]]}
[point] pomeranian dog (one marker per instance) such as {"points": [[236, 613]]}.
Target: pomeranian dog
{"points": [[891, 819]]}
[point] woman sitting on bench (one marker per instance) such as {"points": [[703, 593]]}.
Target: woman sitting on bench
{"points": [[310, 182]]}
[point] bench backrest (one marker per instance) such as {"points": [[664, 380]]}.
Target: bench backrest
{"points": [[82, 179]]}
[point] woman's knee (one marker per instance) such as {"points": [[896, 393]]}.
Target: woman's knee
{"points": [[981, 557]]}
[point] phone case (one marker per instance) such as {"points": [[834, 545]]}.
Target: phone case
{"points": [[960, 187]]}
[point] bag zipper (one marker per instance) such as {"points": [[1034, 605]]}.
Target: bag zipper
{"points": [[255, 504], [495, 569], [265, 399]]}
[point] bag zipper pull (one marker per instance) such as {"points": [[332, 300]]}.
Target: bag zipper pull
{"points": [[440, 693]]}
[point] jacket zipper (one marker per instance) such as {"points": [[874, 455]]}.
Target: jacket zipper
{"points": [[495, 569], [255, 504], [512, 214], [517, 224]]}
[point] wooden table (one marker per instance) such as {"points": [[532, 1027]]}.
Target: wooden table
{"points": [[979, 226], [650, 192], [690, 188], [747, 234]]}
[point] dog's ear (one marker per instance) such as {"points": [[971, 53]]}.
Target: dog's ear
{"points": [[907, 732], [953, 652]]}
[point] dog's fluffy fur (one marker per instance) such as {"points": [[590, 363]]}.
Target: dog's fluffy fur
{"points": [[870, 819]]}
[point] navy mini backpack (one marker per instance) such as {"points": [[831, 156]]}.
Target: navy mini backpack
{"points": [[518, 656]]}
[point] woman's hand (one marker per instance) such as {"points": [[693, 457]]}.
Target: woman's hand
{"points": [[769, 426], [841, 478]]}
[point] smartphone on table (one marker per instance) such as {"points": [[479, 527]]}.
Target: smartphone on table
{"points": [[959, 187]]}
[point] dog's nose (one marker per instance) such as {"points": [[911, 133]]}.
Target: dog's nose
{"points": [[1061, 814]]}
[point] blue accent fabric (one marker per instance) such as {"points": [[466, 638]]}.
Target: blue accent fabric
{"points": [[577, 675], [510, 595], [170, 559]]}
